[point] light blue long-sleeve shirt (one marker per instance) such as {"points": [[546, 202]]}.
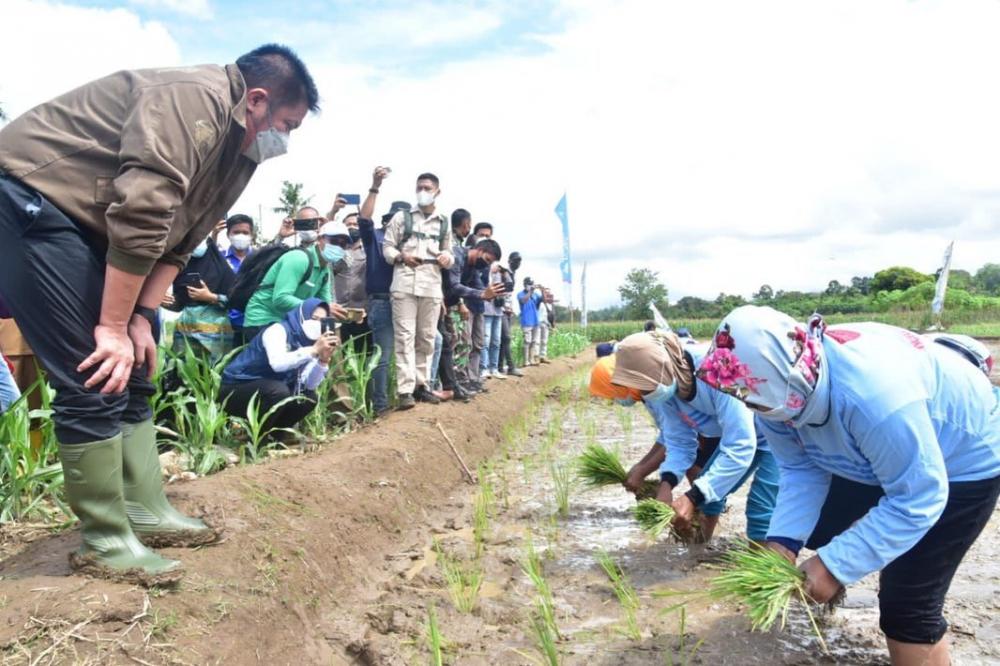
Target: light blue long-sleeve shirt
{"points": [[710, 413], [906, 414]]}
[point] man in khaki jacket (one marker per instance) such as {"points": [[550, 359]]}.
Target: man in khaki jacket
{"points": [[104, 193], [418, 250]]}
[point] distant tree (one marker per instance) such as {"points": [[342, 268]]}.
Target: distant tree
{"points": [[727, 302], [642, 287], [291, 199], [898, 278], [861, 285], [834, 288], [692, 306], [957, 279], [987, 279], [765, 293]]}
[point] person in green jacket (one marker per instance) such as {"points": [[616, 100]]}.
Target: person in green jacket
{"points": [[296, 276]]}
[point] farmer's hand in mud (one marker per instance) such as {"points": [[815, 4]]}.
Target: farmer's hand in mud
{"points": [[463, 312], [113, 356], [633, 482], [202, 294], [287, 228], [339, 312], [820, 583], [684, 509], [665, 493], [492, 291], [324, 346], [780, 550], [409, 259]]}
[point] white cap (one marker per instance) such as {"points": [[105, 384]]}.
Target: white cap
{"points": [[333, 228]]}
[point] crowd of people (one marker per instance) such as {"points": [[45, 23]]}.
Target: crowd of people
{"points": [[876, 447]]}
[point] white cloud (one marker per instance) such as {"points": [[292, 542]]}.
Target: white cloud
{"points": [[724, 144], [195, 8], [80, 44]]}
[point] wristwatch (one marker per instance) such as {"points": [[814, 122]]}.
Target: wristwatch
{"points": [[149, 314]]}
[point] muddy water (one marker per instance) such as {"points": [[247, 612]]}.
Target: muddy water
{"points": [[589, 617]]}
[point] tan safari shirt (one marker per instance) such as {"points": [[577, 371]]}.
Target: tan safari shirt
{"points": [[424, 280], [146, 160]]}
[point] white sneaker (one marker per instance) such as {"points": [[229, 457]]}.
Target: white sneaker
{"points": [[496, 374], [483, 376]]}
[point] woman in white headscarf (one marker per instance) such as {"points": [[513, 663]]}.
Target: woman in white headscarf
{"points": [[889, 450]]}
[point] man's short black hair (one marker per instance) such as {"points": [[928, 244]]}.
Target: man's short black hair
{"points": [[649, 326], [429, 176], [350, 215], [481, 225], [277, 69], [491, 246], [459, 216], [238, 218]]}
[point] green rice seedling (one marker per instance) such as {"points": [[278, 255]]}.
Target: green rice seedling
{"points": [[561, 482], [765, 582], [628, 598], [545, 608], [684, 655], [598, 466], [624, 415], [31, 478], [435, 641], [545, 640], [482, 509], [463, 579], [590, 430], [258, 437], [653, 516]]}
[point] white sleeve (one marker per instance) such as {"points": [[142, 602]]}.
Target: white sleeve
{"points": [[276, 345], [312, 374]]}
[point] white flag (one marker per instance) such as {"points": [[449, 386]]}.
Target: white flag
{"points": [[937, 305], [583, 296], [661, 323]]}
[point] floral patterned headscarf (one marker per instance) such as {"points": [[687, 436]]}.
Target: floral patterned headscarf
{"points": [[772, 362], [645, 360]]}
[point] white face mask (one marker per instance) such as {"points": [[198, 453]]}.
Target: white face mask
{"points": [[240, 242], [268, 143], [312, 328], [308, 236], [425, 198]]}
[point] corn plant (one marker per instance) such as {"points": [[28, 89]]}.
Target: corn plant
{"points": [[30, 477], [463, 579], [628, 598], [561, 481], [317, 424], [358, 367], [435, 641], [197, 423], [258, 437]]}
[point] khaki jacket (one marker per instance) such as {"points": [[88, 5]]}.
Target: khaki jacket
{"points": [[147, 160], [424, 243]]}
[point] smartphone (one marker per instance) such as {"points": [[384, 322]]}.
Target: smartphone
{"points": [[356, 315], [306, 224], [351, 199], [328, 325], [192, 279]]}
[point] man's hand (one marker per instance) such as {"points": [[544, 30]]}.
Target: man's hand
{"points": [[338, 205], [144, 346], [685, 510], [202, 294], [115, 355], [492, 291], [409, 259], [665, 493], [380, 174], [324, 346], [168, 301], [339, 312], [287, 228], [219, 228], [633, 482], [820, 583], [442, 260], [781, 550], [464, 312]]}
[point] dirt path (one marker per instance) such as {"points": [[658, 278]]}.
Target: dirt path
{"points": [[307, 542]]}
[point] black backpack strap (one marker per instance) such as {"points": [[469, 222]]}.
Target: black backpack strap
{"points": [[309, 256]]}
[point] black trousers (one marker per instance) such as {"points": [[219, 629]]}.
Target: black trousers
{"points": [[912, 588], [271, 391], [359, 335], [446, 365], [52, 278], [505, 354]]}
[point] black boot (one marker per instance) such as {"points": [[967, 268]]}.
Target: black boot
{"points": [[421, 394], [459, 393]]}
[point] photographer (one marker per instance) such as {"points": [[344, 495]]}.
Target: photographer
{"points": [[290, 358], [529, 298], [506, 322]]}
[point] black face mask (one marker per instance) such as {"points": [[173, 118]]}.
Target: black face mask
{"points": [[481, 263], [354, 235]]}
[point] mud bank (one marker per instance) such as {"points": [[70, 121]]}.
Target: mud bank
{"points": [[308, 540]]}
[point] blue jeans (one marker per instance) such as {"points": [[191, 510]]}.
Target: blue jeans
{"points": [[9, 393], [435, 361], [492, 325], [380, 321], [762, 497]]}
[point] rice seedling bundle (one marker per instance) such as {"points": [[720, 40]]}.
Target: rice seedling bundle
{"points": [[765, 582], [653, 516], [597, 466]]}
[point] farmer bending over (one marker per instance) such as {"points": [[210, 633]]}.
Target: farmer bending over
{"points": [[889, 449], [104, 193]]}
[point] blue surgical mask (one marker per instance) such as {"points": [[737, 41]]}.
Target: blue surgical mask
{"points": [[200, 251], [625, 402], [334, 254], [661, 394]]}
